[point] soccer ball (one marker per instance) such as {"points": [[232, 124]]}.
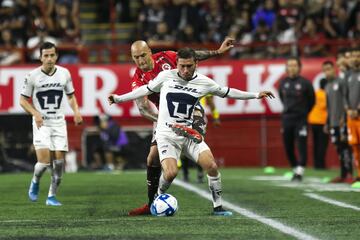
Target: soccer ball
{"points": [[164, 205]]}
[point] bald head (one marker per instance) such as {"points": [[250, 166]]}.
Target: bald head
{"points": [[139, 46], [141, 54]]}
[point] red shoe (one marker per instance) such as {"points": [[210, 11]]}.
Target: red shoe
{"points": [[144, 210], [187, 132], [337, 180]]}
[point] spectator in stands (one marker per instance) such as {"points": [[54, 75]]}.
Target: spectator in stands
{"points": [[35, 42], [262, 34], [13, 19], [188, 35], [113, 142], [310, 33], [266, 13], [9, 54], [317, 119], [335, 20], [285, 36], [149, 17], [162, 37], [292, 13], [214, 19], [67, 31]]}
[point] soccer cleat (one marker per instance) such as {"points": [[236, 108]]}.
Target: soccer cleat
{"points": [[296, 178], [144, 210], [33, 191], [220, 211], [52, 201], [187, 132]]}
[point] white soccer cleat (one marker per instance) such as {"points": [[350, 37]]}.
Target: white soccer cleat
{"points": [[52, 201]]}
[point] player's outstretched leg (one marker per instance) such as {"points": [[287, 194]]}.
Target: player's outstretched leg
{"points": [[170, 170], [153, 174], [39, 169], [57, 172], [207, 162]]}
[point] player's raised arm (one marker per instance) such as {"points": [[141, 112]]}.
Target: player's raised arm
{"points": [[137, 93], [226, 45], [242, 95]]}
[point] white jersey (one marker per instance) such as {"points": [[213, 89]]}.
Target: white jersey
{"points": [[48, 93], [178, 97]]}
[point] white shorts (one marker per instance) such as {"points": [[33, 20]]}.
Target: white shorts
{"points": [[171, 145], [53, 138]]}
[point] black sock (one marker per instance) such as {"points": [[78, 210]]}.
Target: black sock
{"points": [[153, 176]]}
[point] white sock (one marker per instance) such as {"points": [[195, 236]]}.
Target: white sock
{"points": [[299, 170], [215, 188], [163, 184], [57, 172], [39, 170]]}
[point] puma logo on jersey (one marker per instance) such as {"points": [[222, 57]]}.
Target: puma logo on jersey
{"points": [[50, 85], [188, 89]]}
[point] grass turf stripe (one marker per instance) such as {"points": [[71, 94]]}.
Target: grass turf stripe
{"points": [[331, 201], [249, 214]]}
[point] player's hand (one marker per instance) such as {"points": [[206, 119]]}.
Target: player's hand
{"points": [[266, 94], [226, 45], [78, 120], [38, 120], [111, 99]]}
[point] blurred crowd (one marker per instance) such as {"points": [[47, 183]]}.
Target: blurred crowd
{"points": [[262, 21], [28, 23], [273, 27]]}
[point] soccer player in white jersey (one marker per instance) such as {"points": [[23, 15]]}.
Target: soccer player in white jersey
{"points": [[46, 87], [180, 90]]}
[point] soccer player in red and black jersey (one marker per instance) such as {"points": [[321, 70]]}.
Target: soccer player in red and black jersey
{"points": [[148, 67]]}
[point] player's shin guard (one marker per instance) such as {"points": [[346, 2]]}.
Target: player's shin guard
{"points": [[57, 172], [153, 176], [163, 185], [39, 170], [215, 188]]}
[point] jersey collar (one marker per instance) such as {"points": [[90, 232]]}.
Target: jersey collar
{"points": [[194, 76], [52, 74]]}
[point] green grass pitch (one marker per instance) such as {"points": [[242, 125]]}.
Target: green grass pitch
{"points": [[95, 206]]}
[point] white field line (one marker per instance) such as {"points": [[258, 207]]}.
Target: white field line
{"points": [[247, 213], [331, 201]]}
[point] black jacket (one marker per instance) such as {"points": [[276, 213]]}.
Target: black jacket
{"points": [[298, 97]]}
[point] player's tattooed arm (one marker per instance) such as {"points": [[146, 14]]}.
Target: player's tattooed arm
{"points": [[227, 44], [145, 109]]}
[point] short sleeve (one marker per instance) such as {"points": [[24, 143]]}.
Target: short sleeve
{"points": [[28, 86], [156, 84], [69, 87]]}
